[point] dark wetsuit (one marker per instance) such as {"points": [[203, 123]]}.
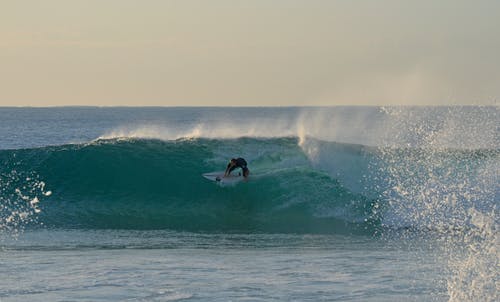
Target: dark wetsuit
{"points": [[240, 163]]}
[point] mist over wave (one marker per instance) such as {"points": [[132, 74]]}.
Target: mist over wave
{"points": [[398, 127]]}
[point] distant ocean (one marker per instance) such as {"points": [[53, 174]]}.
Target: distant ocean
{"points": [[342, 204]]}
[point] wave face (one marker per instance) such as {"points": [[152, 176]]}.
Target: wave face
{"points": [[154, 184], [297, 186]]}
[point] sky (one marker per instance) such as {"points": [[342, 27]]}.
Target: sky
{"points": [[249, 53]]}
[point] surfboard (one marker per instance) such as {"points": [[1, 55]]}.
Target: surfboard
{"points": [[219, 177]]}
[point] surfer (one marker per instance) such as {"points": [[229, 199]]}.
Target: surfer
{"points": [[237, 163]]}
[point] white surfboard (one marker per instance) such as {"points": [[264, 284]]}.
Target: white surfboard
{"points": [[219, 177]]}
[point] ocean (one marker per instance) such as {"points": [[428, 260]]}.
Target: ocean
{"points": [[342, 204]]}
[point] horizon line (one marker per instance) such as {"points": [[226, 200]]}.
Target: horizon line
{"points": [[245, 106]]}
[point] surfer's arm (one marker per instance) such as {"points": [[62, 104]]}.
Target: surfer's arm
{"points": [[228, 170]]}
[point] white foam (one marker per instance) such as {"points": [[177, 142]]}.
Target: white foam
{"points": [[34, 201]]}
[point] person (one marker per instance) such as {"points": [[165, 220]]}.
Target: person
{"points": [[237, 163]]}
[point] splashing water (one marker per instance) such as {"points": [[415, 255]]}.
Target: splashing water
{"points": [[456, 197], [19, 200]]}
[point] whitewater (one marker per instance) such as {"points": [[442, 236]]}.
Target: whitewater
{"points": [[342, 204]]}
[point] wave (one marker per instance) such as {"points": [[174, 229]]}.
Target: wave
{"points": [[296, 185], [153, 184]]}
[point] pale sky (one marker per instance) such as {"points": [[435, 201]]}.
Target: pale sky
{"points": [[249, 53]]}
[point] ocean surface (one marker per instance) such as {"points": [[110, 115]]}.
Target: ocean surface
{"points": [[342, 204]]}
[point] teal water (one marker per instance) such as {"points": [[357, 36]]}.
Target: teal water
{"points": [[153, 184], [343, 203]]}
